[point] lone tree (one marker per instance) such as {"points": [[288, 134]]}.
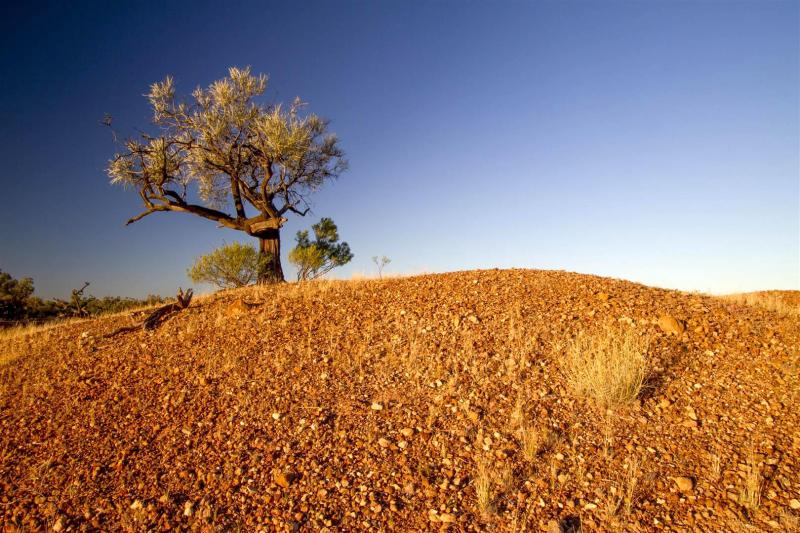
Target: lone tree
{"points": [[233, 155]]}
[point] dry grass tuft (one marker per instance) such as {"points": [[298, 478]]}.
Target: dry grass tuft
{"points": [[750, 493], [483, 488], [716, 467], [610, 366], [789, 521]]}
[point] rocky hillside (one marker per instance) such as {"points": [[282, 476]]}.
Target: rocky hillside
{"points": [[422, 403]]}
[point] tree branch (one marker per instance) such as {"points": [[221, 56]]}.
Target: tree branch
{"points": [[212, 214]]}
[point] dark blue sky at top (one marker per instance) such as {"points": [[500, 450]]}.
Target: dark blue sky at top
{"points": [[653, 141]]}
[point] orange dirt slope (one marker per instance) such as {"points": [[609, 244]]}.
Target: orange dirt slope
{"points": [[420, 403]]}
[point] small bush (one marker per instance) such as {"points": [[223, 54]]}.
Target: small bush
{"points": [[229, 266], [315, 259], [610, 366]]}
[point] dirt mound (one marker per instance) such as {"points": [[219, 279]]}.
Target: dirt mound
{"points": [[419, 403]]}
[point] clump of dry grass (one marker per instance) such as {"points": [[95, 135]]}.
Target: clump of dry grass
{"points": [[483, 488], [533, 440], [770, 302], [716, 467], [609, 366], [750, 493]]}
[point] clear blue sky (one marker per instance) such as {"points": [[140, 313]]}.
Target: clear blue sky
{"points": [[653, 141]]}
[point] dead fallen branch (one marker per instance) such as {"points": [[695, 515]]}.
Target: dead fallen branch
{"points": [[159, 315]]}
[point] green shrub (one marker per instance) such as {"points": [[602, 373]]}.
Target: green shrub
{"points": [[315, 259], [229, 266]]}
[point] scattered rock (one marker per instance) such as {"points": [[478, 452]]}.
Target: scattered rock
{"points": [[283, 479], [670, 324], [460, 391], [684, 484], [237, 308], [554, 527]]}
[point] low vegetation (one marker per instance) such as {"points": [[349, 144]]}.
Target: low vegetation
{"points": [[609, 366], [783, 303], [19, 306], [229, 266]]}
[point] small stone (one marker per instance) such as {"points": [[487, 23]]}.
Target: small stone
{"points": [[603, 296], [406, 432], [685, 484], [554, 527], [383, 442], [402, 445], [794, 504], [589, 506], [59, 525], [690, 413], [670, 324], [237, 308], [376, 406], [283, 479], [473, 319], [136, 505], [276, 416], [689, 423], [188, 509], [559, 457]]}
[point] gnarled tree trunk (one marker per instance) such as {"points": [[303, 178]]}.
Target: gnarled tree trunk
{"points": [[270, 247]]}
